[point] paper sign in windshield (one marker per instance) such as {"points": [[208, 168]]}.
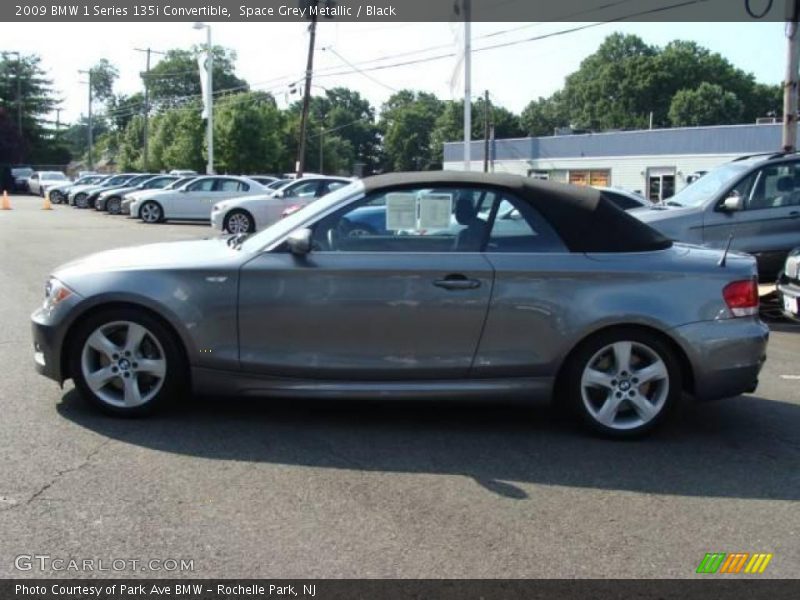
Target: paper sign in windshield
{"points": [[435, 211], [401, 211]]}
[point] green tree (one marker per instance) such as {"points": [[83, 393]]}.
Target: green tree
{"points": [[248, 134], [407, 121], [450, 124], [103, 76], [708, 104], [177, 140], [121, 109], [37, 101], [131, 145], [176, 79], [544, 115]]}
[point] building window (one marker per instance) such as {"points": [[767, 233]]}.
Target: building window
{"points": [[660, 183], [535, 174], [595, 178]]}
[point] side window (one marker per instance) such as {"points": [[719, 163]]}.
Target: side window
{"points": [[518, 227], [229, 185], [774, 186], [203, 185], [331, 186], [307, 189], [409, 220]]}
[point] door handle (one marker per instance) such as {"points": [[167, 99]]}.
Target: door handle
{"points": [[457, 282]]}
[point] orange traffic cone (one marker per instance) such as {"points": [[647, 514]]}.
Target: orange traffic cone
{"points": [[6, 202], [47, 205]]}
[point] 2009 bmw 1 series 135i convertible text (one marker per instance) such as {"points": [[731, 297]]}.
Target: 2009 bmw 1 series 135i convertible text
{"points": [[418, 285]]}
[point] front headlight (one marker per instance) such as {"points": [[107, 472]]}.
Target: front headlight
{"points": [[55, 293]]}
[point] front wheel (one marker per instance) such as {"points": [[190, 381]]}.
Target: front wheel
{"points": [[114, 205], [151, 212], [239, 221], [623, 383], [56, 197], [81, 201], [126, 362]]}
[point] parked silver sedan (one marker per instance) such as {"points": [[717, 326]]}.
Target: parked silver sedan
{"points": [[578, 301]]}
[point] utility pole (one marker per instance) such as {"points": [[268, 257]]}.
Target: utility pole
{"points": [[301, 153], [321, 148], [491, 143], [467, 83], [145, 136], [790, 94], [19, 93], [486, 131], [90, 160]]}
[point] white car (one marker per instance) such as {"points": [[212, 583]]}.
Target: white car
{"points": [[193, 200], [39, 181], [252, 213]]}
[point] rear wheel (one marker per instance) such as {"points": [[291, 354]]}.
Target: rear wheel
{"points": [[623, 383], [126, 362], [151, 212], [239, 221]]}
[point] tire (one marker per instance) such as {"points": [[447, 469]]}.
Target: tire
{"points": [[114, 205], [56, 197], [609, 392], [108, 354], [81, 201], [151, 212], [239, 221]]}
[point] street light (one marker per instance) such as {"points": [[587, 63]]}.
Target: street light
{"points": [[209, 102]]}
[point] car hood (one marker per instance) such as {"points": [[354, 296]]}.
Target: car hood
{"points": [[62, 187], [86, 188], [194, 254], [245, 200], [117, 189], [659, 214]]}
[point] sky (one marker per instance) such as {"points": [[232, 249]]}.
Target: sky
{"points": [[271, 55]]}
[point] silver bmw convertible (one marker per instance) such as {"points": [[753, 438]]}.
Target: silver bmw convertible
{"points": [[420, 285]]}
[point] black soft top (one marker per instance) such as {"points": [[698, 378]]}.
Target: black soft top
{"points": [[584, 218]]}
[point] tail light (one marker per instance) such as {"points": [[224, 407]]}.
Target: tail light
{"points": [[742, 297]]}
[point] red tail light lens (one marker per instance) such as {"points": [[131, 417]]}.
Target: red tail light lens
{"points": [[742, 297]]}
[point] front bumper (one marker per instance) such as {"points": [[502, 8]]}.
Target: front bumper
{"points": [[217, 219], [100, 203], [789, 297], [49, 328], [726, 355]]}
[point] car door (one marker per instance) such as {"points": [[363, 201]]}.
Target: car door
{"points": [[407, 303], [188, 202], [769, 224]]}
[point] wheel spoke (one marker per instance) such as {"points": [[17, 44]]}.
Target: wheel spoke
{"points": [[154, 367], [97, 380], [133, 397], [102, 344], [595, 378], [622, 356], [654, 372], [608, 412], [135, 336], [643, 407]]}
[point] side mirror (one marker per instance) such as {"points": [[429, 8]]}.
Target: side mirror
{"points": [[299, 241], [279, 194], [733, 203]]}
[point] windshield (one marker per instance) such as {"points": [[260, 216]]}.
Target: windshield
{"points": [[53, 176], [22, 172], [296, 219], [176, 184], [710, 185]]}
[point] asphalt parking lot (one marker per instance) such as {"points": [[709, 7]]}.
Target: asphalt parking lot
{"points": [[260, 488]]}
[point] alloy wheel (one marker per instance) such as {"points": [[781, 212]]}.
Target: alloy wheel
{"points": [[238, 223], [113, 206], [123, 364], [625, 385], [150, 212]]}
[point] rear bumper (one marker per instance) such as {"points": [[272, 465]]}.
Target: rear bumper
{"points": [[789, 290], [726, 355]]}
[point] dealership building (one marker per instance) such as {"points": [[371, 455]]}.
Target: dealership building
{"points": [[654, 162]]}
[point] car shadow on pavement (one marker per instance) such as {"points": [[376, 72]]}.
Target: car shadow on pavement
{"points": [[745, 447]]}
